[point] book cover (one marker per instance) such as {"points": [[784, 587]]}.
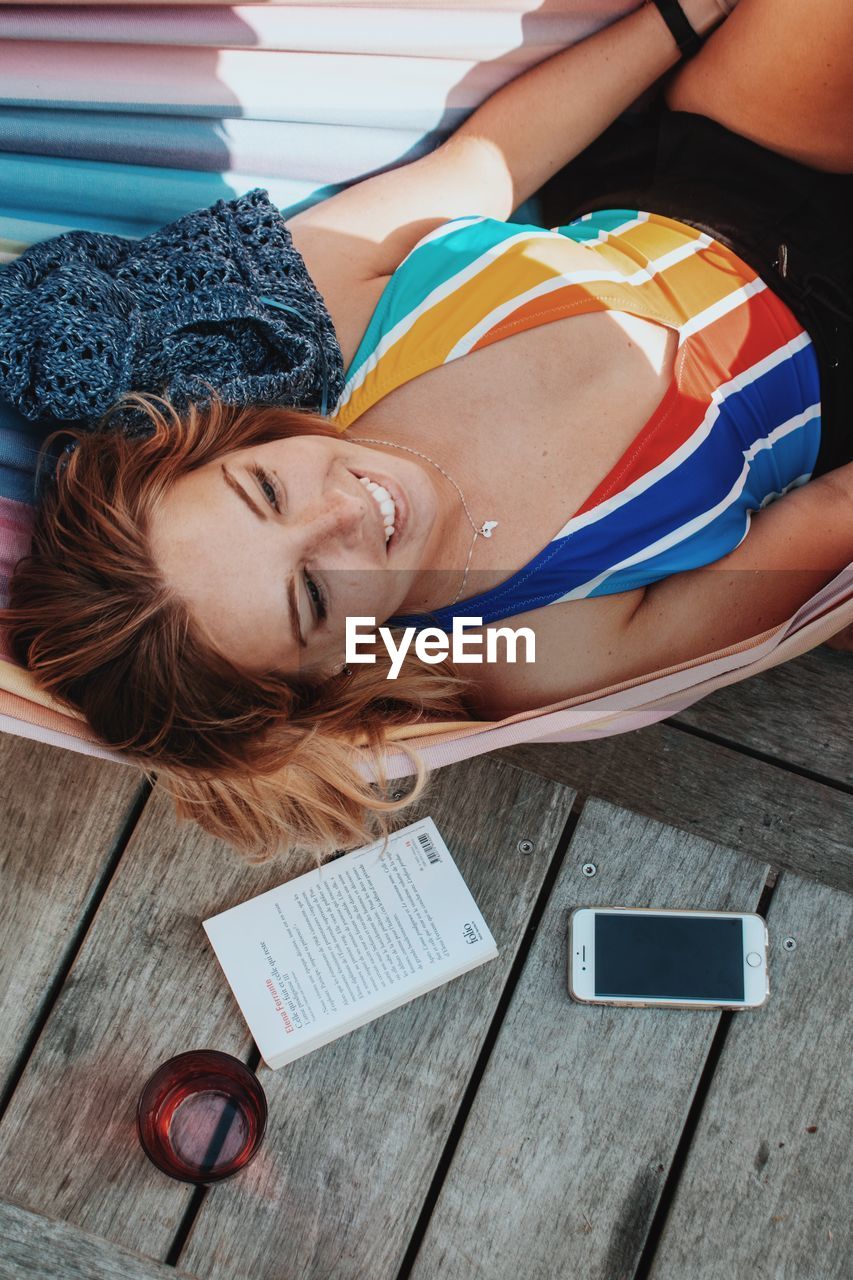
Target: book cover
{"points": [[335, 948]]}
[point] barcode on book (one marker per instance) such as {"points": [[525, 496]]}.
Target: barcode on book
{"points": [[428, 847]]}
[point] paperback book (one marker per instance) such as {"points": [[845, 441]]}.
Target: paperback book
{"points": [[335, 948]]}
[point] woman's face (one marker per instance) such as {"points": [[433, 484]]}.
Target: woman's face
{"points": [[273, 546]]}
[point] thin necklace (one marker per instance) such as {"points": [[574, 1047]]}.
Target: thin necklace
{"points": [[486, 527]]}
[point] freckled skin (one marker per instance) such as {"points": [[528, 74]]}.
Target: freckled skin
{"points": [[231, 567]]}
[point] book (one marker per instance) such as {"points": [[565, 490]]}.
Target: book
{"points": [[331, 950]]}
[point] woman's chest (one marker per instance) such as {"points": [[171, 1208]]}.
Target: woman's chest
{"points": [[529, 426]]}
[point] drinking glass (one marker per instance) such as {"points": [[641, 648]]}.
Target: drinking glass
{"points": [[201, 1116]]}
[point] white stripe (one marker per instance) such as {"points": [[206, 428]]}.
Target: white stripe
{"points": [[780, 493], [445, 230], [703, 430], [706, 517], [473, 336], [721, 308]]}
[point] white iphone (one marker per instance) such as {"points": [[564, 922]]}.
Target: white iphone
{"points": [[676, 959]]}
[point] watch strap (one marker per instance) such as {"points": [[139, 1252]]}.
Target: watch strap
{"points": [[688, 41]]}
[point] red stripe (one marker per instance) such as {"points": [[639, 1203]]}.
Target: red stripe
{"points": [[727, 347]]}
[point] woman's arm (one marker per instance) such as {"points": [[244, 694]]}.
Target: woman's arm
{"points": [[793, 547], [505, 150], [543, 119]]}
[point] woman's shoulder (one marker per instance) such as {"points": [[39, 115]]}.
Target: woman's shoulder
{"points": [[349, 294], [352, 291]]}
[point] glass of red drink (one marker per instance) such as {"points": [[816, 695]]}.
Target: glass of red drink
{"points": [[201, 1116]]}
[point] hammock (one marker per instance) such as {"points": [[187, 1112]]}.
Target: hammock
{"points": [[122, 118]]}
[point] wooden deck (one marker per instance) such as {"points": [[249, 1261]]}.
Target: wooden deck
{"points": [[491, 1130]]}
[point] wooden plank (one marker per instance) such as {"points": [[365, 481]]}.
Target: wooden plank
{"points": [[355, 1128], [565, 1150], [33, 1247], [766, 1190], [714, 791], [798, 712], [61, 816], [144, 986]]}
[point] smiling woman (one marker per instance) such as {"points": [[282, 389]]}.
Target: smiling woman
{"points": [[648, 397], [274, 545], [168, 593]]}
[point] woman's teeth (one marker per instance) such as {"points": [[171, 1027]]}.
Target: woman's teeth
{"points": [[385, 503]]}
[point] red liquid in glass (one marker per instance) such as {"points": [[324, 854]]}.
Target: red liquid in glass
{"points": [[201, 1116]]}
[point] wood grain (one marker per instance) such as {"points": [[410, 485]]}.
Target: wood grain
{"points": [[765, 1192], [577, 1117], [144, 986], [357, 1128], [354, 1128], [33, 1247], [675, 777], [61, 816], [798, 712]]}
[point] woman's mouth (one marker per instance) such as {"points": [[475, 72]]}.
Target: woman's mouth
{"points": [[391, 509]]}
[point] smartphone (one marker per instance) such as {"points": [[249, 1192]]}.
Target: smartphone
{"points": [[673, 959]]}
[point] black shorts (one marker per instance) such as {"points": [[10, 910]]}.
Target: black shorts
{"points": [[789, 222]]}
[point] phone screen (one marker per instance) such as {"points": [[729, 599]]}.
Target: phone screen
{"points": [[668, 956]]}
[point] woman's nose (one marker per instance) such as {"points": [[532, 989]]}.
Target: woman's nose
{"points": [[336, 515]]}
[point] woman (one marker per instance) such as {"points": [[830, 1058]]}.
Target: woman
{"points": [[189, 591]]}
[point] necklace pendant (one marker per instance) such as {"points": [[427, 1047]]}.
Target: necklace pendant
{"points": [[487, 528]]}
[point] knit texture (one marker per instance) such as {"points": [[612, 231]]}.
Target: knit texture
{"points": [[86, 317]]}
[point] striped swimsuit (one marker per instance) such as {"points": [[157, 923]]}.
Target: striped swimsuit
{"points": [[738, 426]]}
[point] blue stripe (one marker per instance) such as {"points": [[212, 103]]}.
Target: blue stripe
{"points": [[29, 226], [698, 484], [20, 442]]}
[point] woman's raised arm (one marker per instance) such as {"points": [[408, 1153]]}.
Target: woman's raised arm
{"points": [[506, 149], [793, 547]]}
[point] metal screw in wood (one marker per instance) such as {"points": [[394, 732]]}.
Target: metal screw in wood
{"points": [[790, 944], [525, 846], [589, 869]]}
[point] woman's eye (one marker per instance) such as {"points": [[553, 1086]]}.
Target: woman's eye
{"points": [[316, 597], [267, 487]]}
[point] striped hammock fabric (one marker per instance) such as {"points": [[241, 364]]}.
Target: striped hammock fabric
{"points": [[121, 118]]}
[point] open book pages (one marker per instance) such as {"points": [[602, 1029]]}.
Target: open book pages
{"points": [[343, 944]]}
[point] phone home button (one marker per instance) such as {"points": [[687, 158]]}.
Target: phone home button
{"points": [[753, 959]]}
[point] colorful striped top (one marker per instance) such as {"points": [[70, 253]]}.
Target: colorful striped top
{"points": [[738, 426]]}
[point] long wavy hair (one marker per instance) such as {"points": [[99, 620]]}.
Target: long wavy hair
{"points": [[266, 762]]}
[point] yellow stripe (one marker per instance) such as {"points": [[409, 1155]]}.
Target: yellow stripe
{"points": [[429, 341], [683, 289]]}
